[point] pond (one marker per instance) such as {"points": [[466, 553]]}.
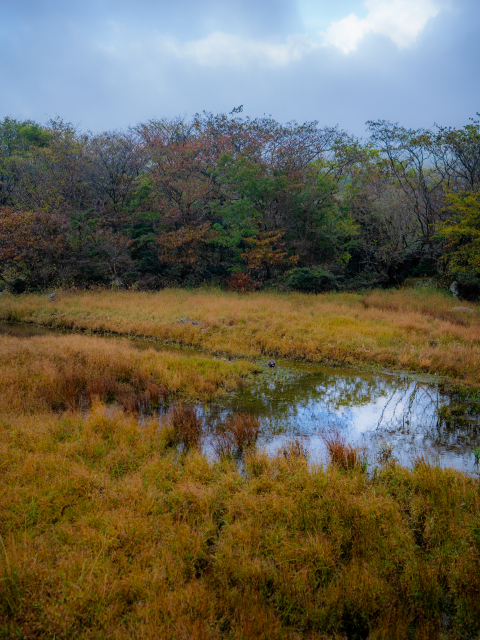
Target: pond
{"points": [[374, 410]]}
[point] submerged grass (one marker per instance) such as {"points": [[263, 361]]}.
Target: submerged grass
{"points": [[71, 371], [108, 531], [405, 329]]}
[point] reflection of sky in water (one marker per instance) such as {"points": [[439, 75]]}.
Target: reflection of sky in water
{"points": [[367, 408], [306, 400]]}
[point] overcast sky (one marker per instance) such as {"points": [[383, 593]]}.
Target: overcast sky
{"points": [[107, 64]]}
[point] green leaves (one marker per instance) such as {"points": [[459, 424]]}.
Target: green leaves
{"points": [[461, 232]]}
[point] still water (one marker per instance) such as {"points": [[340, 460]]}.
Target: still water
{"points": [[371, 409]]}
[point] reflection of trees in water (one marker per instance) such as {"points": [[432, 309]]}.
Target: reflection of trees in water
{"points": [[332, 391], [409, 410], [411, 419], [409, 404], [402, 412]]}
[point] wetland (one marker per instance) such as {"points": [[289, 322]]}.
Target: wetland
{"points": [[406, 413]]}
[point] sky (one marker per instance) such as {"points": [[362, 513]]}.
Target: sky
{"points": [[110, 64]]}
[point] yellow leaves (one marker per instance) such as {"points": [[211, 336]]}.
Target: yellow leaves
{"points": [[461, 232], [185, 244], [267, 249]]}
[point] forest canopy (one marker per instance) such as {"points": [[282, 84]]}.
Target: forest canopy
{"points": [[246, 203]]}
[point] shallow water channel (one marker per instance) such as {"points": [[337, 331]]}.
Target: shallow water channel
{"points": [[371, 409]]}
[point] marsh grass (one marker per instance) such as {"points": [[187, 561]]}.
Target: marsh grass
{"points": [[238, 432], [294, 450], [71, 372], [343, 454], [405, 329], [187, 426], [106, 532], [476, 453], [384, 453]]}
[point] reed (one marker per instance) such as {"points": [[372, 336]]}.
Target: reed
{"points": [[295, 449], [187, 426], [343, 454], [238, 432], [106, 532], [404, 329]]}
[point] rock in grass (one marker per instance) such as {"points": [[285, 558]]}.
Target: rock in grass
{"points": [[52, 297], [463, 310], [454, 289]]}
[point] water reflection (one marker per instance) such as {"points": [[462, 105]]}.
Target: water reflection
{"points": [[306, 400], [368, 408]]}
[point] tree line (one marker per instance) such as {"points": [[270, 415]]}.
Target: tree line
{"points": [[249, 203]]}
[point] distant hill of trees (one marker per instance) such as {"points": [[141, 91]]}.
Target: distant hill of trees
{"points": [[252, 203]]}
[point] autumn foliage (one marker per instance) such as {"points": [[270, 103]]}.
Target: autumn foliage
{"points": [[180, 201]]}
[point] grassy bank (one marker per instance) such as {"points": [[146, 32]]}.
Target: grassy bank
{"points": [[107, 532], [70, 371], [409, 329]]}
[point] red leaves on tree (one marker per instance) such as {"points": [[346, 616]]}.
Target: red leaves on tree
{"points": [[27, 235], [241, 283]]}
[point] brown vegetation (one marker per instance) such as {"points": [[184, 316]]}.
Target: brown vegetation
{"points": [[187, 426], [343, 454], [107, 533], [237, 433], [295, 448], [406, 329], [71, 371]]}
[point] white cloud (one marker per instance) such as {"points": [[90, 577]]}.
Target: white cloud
{"points": [[400, 20], [217, 49], [223, 49]]}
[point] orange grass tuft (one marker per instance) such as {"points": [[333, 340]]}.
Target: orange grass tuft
{"points": [[239, 431], [105, 532], [407, 329], [295, 450], [187, 426], [342, 454]]}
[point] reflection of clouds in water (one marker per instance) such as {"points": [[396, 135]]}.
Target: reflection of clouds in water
{"points": [[369, 409]]}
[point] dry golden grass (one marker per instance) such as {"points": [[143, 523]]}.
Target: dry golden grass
{"points": [[407, 329], [69, 371], [108, 533]]}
